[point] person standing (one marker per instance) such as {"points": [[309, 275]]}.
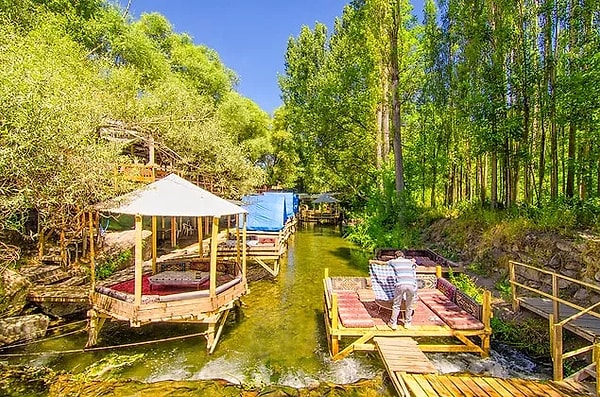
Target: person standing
{"points": [[405, 287]]}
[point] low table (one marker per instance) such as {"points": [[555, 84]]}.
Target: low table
{"points": [[190, 278]]}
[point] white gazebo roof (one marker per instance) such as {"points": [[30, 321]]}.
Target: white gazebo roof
{"points": [[171, 196]]}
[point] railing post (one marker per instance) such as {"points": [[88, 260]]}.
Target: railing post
{"points": [[555, 304], [556, 348], [596, 356], [486, 314], [513, 287]]}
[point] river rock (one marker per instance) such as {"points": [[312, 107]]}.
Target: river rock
{"points": [[582, 294], [23, 328], [563, 246], [14, 289], [597, 276], [530, 274]]}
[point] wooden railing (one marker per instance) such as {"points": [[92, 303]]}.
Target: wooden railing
{"points": [[556, 325], [141, 172]]}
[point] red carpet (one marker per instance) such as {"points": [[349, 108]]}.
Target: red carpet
{"points": [[127, 287]]}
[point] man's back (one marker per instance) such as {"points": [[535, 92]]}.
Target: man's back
{"points": [[405, 270]]}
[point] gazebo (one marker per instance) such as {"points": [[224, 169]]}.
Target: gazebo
{"points": [[198, 289]]}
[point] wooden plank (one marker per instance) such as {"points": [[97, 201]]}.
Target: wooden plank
{"points": [[465, 390], [504, 388], [483, 385], [471, 385], [443, 386], [413, 386], [426, 386], [529, 388], [569, 388]]}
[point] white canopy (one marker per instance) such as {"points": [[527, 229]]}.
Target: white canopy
{"points": [[171, 196]]}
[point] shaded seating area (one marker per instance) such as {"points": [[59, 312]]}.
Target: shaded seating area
{"points": [[445, 319], [187, 288], [271, 221]]}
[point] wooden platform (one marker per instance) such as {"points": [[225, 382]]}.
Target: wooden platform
{"points": [[53, 293], [455, 386], [586, 326]]}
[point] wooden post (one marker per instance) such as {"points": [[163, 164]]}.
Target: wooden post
{"points": [[513, 287], [237, 239], [486, 317], [92, 253], [244, 253], [138, 261], [597, 361], [556, 348], [200, 237], [213, 257], [334, 324], [438, 271], [555, 304], [173, 232], [326, 273], [154, 244]]}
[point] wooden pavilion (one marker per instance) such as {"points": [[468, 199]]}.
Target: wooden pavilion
{"points": [[196, 288], [445, 319]]}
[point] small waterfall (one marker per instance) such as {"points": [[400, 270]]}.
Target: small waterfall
{"points": [[504, 362]]}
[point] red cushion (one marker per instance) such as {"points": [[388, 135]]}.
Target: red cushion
{"points": [[352, 312], [449, 311]]}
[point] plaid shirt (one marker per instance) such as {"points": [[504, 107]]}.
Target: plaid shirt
{"points": [[384, 278]]}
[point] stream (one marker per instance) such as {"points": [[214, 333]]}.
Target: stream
{"points": [[278, 340]]}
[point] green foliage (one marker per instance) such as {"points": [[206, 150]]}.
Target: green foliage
{"points": [[71, 67], [529, 335], [467, 285], [113, 263], [505, 289]]}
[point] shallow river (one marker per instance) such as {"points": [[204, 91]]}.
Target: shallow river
{"points": [[279, 339]]}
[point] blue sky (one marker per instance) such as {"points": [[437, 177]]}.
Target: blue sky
{"points": [[250, 36]]}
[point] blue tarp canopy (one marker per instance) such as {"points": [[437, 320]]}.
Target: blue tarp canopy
{"points": [[266, 213], [292, 203]]}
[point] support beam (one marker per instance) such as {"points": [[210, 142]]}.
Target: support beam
{"points": [[213, 257], [223, 320], [173, 231], [138, 261], [154, 244], [92, 253], [244, 247], [199, 227]]}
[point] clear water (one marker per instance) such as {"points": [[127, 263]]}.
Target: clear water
{"points": [[279, 339]]}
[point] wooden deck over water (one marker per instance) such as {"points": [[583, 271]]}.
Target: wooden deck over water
{"points": [[412, 374], [429, 385]]}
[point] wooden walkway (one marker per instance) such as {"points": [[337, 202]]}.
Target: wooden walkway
{"points": [[62, 294], [428, 385], [402, 354], [413, 375], [586, 326]]}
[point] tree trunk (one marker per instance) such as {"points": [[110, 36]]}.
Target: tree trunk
{"points": [[494, 161], [396, 119], [378, 140]]}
